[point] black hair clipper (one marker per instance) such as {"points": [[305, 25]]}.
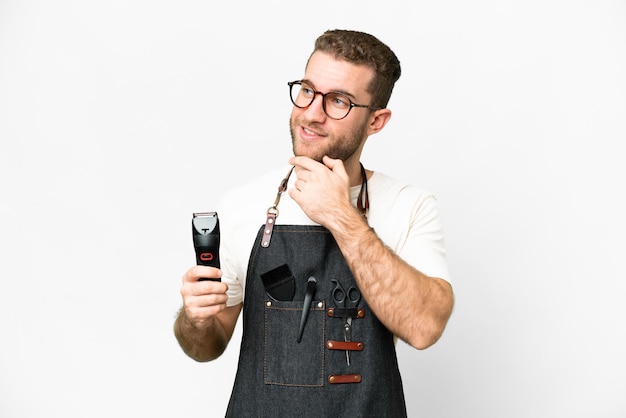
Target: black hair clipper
{"points": [[205, 227]]}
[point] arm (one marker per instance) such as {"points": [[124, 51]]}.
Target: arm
{"points": [[413, 306], [204, 324]]}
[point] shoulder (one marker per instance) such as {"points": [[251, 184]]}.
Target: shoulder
{"points": [[398, 206], [408, 220], [388, 191]]}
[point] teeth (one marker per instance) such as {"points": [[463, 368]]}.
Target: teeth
{"points": [[309, 132]]}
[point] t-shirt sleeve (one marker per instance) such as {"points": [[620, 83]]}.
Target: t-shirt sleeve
{"points": [[424, 247], [229, 253]]}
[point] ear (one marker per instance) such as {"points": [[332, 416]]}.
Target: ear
{"points": [[378, 120]]}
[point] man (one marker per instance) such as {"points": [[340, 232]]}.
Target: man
{"points": [[352, 260]]}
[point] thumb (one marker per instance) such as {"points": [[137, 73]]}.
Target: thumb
{"points": [[335, 165]]}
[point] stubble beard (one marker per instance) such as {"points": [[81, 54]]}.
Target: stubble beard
{"points": [[342, 147]]}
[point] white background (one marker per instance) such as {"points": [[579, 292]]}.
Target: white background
{"points": [[118, 119]]}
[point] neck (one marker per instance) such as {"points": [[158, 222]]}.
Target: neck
{"points": [[354, 173]]}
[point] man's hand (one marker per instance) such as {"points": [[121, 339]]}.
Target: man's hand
{"points": [[202, 300], [204, 324], [321, 190]]}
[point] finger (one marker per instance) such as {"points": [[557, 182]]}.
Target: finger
{"points": [[294, 193], [192, 290], [200, 314], [304, 162], [209, 300], [299, 185], [197, 272]]}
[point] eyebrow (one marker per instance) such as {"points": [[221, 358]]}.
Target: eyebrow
{"points": [[345, 93]]}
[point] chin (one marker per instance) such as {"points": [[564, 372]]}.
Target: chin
{"points": [[315, 157], [308, 151]]}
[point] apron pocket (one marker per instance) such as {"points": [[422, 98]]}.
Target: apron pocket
{"points": [[287, 362]]}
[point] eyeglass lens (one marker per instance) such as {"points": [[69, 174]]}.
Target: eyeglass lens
{"points": [[335, 105]]}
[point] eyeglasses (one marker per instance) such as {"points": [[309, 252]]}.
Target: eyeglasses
{"points": [[335, 105]]}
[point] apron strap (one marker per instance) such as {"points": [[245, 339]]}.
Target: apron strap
{"points": [[272, 212], [363, 201]]}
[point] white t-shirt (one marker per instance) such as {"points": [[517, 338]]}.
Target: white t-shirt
{"points": [[405, 218]]}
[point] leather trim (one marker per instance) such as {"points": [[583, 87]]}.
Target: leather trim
{"points": [[269, 227], [346, 313], [344, 345], [334, 379]]}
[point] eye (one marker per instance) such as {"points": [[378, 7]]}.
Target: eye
{"points": [[338, 100], [307, 90]]}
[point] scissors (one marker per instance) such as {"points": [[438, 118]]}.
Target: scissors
{"points": [[349, 299]]}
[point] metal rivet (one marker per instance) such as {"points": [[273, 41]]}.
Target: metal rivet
{"points": [[331, 379], [320, 304], [270, 220], [267, 231], [265, 244], [360, 345], [268, 303], [329, 345]]}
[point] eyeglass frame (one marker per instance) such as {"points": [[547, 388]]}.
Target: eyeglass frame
{"points": [[315, 93]]}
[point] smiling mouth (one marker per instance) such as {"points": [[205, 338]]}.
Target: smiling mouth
{"points": [[309, 134]]}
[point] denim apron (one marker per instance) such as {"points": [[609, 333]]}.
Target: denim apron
{"points": [[282, 373]]}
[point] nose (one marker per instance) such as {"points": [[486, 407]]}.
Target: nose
{"points": [[315, 111]]}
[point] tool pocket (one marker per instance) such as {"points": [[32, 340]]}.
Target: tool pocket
{"points": [[287, 362]]}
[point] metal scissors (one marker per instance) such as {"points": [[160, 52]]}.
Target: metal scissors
{"points": [[349, 299]]}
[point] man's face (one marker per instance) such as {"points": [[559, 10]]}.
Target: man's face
{"points": [[313, 133]]}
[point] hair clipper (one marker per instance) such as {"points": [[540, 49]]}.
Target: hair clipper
{"points": [[205, 227]]}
